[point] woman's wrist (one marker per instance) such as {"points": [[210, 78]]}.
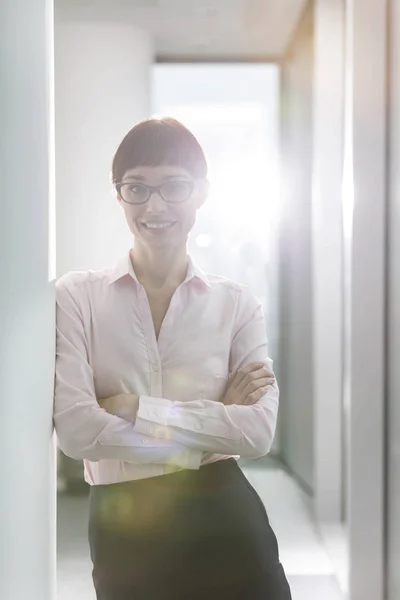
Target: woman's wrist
{"points": [[124, 406]]}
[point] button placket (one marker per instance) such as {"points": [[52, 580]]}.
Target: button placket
{"points": [[151, 344]]}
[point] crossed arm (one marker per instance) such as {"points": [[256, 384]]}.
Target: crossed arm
{"points": [[157, 430]]}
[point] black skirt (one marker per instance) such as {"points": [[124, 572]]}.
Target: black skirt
{"points": [[188, 535]]}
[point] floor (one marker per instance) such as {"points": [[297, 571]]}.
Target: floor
{"points": [[309, 570]]}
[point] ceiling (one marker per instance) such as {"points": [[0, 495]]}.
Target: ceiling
{"points": [[201, 29]]}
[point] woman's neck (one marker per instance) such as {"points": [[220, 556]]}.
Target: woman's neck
{"points": [[164, 269]]}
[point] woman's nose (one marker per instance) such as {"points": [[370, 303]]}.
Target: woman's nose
{"points": [[155, 203]]}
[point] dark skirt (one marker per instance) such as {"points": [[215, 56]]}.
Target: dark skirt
{"points": [[188, 535]]}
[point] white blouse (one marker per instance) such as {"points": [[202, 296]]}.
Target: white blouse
{"points": [[106, 345]]}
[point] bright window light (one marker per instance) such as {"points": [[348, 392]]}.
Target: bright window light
{"points": [[203, 241], [244, 175]]}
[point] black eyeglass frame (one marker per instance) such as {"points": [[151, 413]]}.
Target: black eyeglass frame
{"points": [[155, 188]]}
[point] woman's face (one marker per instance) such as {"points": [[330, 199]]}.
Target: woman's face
{"points": [[158, 223]]}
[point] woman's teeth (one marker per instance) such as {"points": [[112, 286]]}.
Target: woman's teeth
{"points": [[158, 225]]}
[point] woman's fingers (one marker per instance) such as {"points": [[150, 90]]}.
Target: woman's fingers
{"points": [[238, 376], [248, 384], [256, 384], [254, 397], [254, 376]]}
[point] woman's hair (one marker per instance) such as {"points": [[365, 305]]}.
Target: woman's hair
{"points": [[159, 141]]}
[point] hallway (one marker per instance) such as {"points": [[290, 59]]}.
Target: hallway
{"points": [[296, 108], [307, 565]]}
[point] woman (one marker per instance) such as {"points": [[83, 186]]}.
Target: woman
{"points": [[162, 383]]}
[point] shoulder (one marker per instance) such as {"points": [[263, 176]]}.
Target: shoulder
{"points": [[243, 293], [220, 282], [77, 282]]}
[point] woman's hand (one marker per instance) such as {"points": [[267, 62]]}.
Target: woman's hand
{"points": [[248, 385], [121, 405]]}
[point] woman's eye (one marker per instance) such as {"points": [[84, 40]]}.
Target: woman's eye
{"points": [[136, 189], [176, 186]]}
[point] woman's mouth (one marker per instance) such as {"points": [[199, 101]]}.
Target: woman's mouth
{"points": [[157, 225]]}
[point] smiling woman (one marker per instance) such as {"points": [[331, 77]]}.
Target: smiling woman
{"points": [[160, 201], [159, 172], [163, 382]]}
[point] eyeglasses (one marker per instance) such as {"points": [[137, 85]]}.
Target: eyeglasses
{"points": [[170, 191]]}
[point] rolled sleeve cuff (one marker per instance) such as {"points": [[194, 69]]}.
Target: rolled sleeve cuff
{"points": [[152, 420], [164, 419], [155, 410], [152, 417]]}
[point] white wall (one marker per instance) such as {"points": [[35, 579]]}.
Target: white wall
{"points": [[102, 89], [393, 441], [297, 406], [327, 259], [367, 60], [27, 466]]}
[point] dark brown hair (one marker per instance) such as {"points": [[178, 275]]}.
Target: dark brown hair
{"points": [[159, 141]]}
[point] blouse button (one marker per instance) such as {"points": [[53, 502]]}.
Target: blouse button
{"points": [[155, 367]]}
